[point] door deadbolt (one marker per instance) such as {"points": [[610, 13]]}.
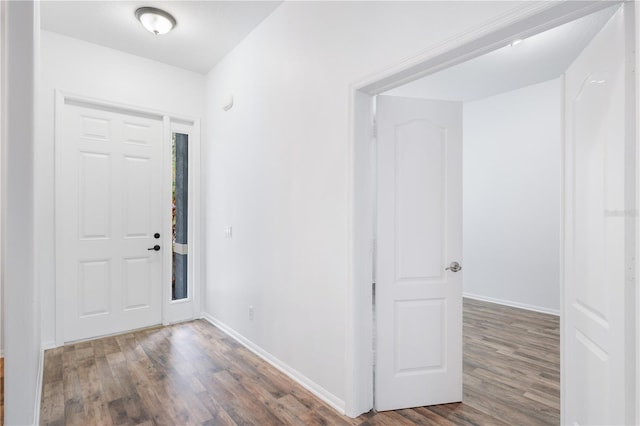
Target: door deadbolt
{"points": [[156, 248]]}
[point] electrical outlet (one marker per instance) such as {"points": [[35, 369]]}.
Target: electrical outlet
{"points": [[251, 312]]}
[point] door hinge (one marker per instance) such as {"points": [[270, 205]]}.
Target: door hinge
{"points": [[374, 129]]}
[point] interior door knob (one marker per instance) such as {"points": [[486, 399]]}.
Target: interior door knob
{"points": [[156, 248], [454, 267]]}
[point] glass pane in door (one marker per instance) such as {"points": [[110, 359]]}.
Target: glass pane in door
{"points": [[180, 165]]}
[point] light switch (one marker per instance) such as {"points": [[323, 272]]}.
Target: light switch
{"points": [[228, 232]]}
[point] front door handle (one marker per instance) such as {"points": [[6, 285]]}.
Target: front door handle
{"points": [[156, 248], [454, 267]]}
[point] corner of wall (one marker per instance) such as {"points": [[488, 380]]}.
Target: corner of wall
{"points": [[326, 396], [21, 316]]}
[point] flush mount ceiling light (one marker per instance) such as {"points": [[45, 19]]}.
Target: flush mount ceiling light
{"points": [[155, 20]]}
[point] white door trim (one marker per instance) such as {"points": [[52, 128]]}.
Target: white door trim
{"points": [[637, 213], [521, 22], [170, 119]]}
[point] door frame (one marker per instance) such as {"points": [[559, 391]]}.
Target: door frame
{"points": [[170, 122], [521, 22]]}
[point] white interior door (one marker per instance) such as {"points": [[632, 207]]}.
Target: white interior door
{"points": [[109, 172], [419, 234], [597, 386]]}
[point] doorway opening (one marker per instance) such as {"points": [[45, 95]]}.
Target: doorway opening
{"points": [[576, 96]]}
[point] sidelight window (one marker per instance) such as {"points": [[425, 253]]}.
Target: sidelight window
{"points": [[180, 166]]}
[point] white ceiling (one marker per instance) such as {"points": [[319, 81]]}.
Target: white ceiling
{"points": [[206, 30], [538, 58]]}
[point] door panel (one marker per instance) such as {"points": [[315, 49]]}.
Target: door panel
{"points": [[109, 172], [95, 195], [419, 337], [136, 283], [419, 232], [596, 182], [94, 283], [137, 197], [419, 195]]}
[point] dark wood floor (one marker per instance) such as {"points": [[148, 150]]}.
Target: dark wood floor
{"points": [[192, 373]]}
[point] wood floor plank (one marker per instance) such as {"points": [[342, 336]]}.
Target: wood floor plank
{"points": [[423, 416], [118, 412], [136, 410], [390, 418], [53, 402], [218, 415], [194, 374], [466, 414], [324, 415]]}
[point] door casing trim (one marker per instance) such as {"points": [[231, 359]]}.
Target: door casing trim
{"points": [[519, 23]]}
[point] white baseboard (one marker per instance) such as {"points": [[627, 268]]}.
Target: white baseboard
{"points": [[39, 379], [301, 379], [50, 344], [534, 308]]}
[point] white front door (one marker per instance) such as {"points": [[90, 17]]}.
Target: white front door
{"points": [[108, 208], [599, 236], [419, 234]]}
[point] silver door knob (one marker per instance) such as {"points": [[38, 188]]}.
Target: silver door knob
{"points": [[454, 267]]}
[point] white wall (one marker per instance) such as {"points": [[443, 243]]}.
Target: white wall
{"points": [[21, 314], [94, 71], [278, 169], [512, 183]]}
